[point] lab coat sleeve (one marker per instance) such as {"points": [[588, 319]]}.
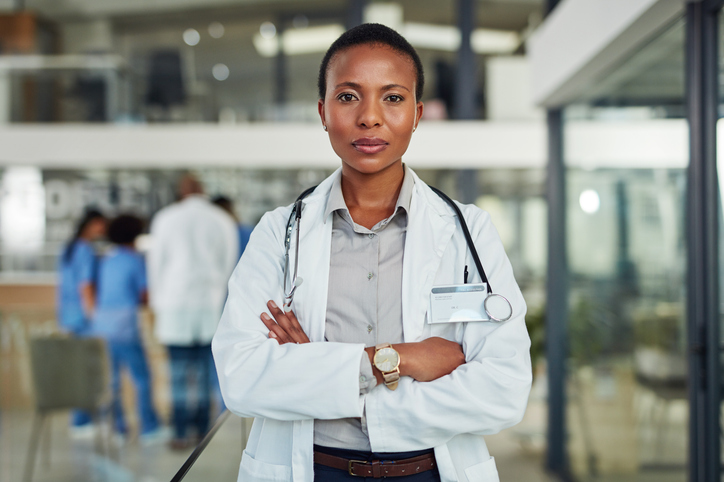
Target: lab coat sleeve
{"points": [[483, 396], [259, 377], [155, 258]]}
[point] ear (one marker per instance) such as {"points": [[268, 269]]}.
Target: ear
{"points": [[418, 114], [320, 109]]}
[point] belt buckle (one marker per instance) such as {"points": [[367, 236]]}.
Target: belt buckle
{"points": [[350, 469]]}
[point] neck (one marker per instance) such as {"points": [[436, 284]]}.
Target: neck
{"points": [[378, 191]]}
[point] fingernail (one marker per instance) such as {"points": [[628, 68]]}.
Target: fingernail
{"points": [[265, 317], [272, 334], [273, 305]]}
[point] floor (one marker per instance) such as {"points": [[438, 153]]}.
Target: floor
{"points": [[76, 460]]}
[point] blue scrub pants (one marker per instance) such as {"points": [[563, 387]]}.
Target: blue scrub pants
{"points": [[323, 473], [191, 366], [130, 355]]}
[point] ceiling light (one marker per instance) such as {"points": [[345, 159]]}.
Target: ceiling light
{"points": [[191, 36], [437, 37], [220, 72], [296, 42], [590, 201], [486, 41], [216, 30], [447, 38], [267, 30]]}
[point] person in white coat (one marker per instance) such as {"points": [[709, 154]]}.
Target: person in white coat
{"points": [[194, 248], [353, 381]]}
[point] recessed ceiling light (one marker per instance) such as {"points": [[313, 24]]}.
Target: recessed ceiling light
{"points": [[191, 36], [267, 30], [216, 30], [220, 72]]}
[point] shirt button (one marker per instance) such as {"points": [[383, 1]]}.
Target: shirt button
{"points": [[369, 275], [371, 235], [369, 328], [362, 379]]}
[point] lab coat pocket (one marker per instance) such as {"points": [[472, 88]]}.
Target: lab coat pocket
{"points": [[253, 470], [483, 472]]}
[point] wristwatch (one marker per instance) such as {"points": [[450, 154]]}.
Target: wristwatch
{"points": [[387, 360]]}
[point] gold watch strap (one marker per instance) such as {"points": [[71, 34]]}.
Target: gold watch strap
{"points": [[391, 378]]}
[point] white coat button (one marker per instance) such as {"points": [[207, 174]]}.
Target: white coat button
{"points": [[369, 275], [369, 328], [362, 379]]}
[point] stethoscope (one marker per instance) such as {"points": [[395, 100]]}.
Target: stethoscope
{"points": [[496, 306]]}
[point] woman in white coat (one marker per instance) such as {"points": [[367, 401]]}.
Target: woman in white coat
{"points": [[354, 381]]}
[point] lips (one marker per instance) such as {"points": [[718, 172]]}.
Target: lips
{"points": [[370, 145]]}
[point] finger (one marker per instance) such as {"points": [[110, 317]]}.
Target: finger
{"points": [[290, 324], [293, 319], [281, 334]]}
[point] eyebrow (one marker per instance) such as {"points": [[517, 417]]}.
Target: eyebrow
{"points": [[355, 85]]}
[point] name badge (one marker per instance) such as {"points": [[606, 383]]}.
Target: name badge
{"points": [[458, 303]]}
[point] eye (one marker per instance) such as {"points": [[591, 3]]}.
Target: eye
{"points": [[346, 97], [394, 98]]}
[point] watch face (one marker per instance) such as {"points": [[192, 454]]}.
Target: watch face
{"points": [[386, 359]]}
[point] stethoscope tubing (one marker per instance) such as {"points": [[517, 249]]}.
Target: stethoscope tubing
{"points": [[296, 215]]}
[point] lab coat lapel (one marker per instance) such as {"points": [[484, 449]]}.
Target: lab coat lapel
{"points": [[429, 230], [310, 300]]}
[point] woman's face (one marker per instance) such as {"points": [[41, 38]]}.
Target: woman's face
{"points": [[94, 230], [370, 108]]}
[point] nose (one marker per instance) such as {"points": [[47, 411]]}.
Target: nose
{"points": [[370, 114]]}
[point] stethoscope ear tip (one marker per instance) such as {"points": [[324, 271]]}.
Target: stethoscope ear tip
{"points": [[298, 281]]}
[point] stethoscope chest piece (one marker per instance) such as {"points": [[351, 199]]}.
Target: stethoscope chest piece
{"points": [[498, 307]]}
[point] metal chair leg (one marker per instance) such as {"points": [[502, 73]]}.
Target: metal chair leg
{"points": [[45, 449], [33, 447]]}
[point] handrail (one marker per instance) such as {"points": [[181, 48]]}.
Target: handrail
{"points": [[200, 447]]}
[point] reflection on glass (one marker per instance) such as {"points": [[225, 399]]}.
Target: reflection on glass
{"points": [[627, 399]]}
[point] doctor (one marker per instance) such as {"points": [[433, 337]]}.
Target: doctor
{"points": [[353, 382]]}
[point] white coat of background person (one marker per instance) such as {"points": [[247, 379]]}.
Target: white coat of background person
{"points": [[194, 248], [456, 382]]}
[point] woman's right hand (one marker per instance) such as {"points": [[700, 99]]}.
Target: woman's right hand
{"points": [[425, 360]]}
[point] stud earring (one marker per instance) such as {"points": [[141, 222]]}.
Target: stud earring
{"points": [[324, 127]]}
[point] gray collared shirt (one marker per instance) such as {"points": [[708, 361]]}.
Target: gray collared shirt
{"points": [[364, 303]]}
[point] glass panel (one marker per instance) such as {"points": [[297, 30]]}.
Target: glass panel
{"points": [[720, 172], [627, 407]]}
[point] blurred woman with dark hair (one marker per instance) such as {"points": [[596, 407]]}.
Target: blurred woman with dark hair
{"points": [[76, 288]]}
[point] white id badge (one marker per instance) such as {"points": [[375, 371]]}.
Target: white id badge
{"points": [[458, 303]]}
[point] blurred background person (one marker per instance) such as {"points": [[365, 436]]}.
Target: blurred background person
{"points": [[121, 290], [76, 291], [244, 229], [194, 247]]}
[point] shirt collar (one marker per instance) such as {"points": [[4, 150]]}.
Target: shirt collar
{"points": [[336, 198]]}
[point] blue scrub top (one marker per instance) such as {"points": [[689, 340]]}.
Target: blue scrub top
{"points": [[244, 234], [121, 282], [74, 271]]}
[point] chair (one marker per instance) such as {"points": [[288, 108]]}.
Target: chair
{"points": [[68, 373]]}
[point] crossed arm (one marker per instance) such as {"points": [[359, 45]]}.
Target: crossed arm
{"points": [[423, 361]]}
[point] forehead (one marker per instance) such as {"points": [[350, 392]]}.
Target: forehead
{"points": [[371, 63]]}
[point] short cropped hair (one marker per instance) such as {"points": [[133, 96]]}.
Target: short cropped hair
{"points": [[124, 229], [371, 34]]}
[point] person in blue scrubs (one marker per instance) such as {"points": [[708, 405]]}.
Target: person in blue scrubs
{"points": [[244, 233], [75, 297], [122, 289], [244, 229]]}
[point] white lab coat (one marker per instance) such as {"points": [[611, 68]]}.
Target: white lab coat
{"points": [[286, 387], [194, 248]]}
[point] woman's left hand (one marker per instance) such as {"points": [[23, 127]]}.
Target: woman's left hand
{"points": [[285, 327]]}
